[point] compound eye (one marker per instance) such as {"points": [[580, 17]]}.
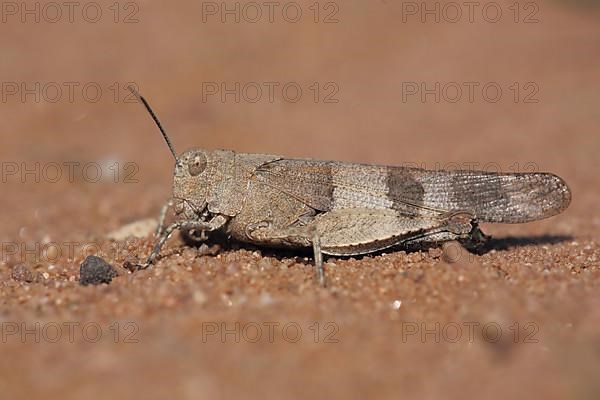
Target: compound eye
{"points": [[197, 164]]}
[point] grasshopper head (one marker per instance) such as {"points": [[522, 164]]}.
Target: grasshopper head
{"points": [[191, 183], [198, 180]]}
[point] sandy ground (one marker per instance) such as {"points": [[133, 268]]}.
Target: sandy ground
{"points": [[520, 321]]}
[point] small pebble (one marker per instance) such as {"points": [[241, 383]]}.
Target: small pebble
{"points": [[205, 250], [199, 297], [22, 273], [265, 299], [95, 271], [137, 229]]}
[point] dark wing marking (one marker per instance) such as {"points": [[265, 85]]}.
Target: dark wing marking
{"points": [[491, 197]]}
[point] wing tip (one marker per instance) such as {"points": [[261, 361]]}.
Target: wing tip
{"points": [[552, 197], [542, 195], [562, 195]]}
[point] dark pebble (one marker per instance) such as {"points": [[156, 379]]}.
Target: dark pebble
{"points": [[22, 273], [95, 271]]}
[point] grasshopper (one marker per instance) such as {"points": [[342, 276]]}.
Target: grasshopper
{"points": [[340, 208]]}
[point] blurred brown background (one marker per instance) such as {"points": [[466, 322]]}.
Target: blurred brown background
{"points": [[354, 62]]}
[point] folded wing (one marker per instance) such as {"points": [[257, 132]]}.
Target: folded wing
{"points": [[491, 197]]}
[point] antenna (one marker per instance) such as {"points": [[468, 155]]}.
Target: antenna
{"points": [[155, 118]]}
